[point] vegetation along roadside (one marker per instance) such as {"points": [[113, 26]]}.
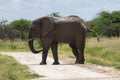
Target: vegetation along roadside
{"points": [[12, 70], [105, 53]]}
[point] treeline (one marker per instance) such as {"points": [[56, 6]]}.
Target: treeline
{"points": [[106, 24], [17, 29]]}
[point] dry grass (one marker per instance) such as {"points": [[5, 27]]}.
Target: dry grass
{"points": [[106, 53], [12, 70]]}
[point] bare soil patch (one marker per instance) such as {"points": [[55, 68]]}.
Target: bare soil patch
{"points": [[64, 70]]}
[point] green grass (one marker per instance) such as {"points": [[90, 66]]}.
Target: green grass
{"points": [[106, 53], [16, 46], [12, 70]]}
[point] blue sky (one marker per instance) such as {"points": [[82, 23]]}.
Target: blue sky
{"points": [[32, 9]]}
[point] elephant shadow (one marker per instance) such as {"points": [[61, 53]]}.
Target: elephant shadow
{"points": [[67, 64], [52, 64]]}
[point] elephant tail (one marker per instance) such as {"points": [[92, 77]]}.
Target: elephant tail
{"points": [[98, 38]]}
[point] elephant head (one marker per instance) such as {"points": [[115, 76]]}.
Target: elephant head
{"points": [[40, 28]]}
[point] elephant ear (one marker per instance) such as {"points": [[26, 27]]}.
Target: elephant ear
{"points": [[47, 25]]}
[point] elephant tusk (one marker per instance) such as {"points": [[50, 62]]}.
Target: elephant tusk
{"points": [[30, 40]]}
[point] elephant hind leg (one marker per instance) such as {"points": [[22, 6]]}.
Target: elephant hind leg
{"points": [[75, 51], [81, 56], [81, 47]]}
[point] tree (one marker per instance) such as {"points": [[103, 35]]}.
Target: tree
{"points": [[3, 26], [55, 14], [20, 26], [104, 25]]}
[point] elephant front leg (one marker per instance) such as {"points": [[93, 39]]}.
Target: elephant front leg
{"points": [[45, 52], [55, 53], [44, 57]]}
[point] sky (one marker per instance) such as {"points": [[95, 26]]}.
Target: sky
{"points": [[31, 9]]}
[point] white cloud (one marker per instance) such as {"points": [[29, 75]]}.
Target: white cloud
{"points": [[31, 9], [15, 2]]}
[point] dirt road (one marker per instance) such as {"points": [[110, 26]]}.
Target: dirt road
{"points": [[64, 70]]}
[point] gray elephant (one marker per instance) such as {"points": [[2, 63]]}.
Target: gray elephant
{"points": [[51, 30]]}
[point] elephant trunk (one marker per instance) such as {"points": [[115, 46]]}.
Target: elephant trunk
{"points": [[30, 43]]}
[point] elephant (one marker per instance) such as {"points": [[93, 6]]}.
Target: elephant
{"points": [[51, 30]]}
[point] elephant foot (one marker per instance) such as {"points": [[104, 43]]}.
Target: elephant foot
{"points": [[80, 62], [56, 63], [43, 63]]}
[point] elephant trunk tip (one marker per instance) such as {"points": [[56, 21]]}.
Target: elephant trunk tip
{"points": [[37, 51], [30, 42]]}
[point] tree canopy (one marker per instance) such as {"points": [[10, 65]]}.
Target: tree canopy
{"points": [[105, 24], [17, 29]]}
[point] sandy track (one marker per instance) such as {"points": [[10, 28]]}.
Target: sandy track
{"points": [[62, 71]]}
